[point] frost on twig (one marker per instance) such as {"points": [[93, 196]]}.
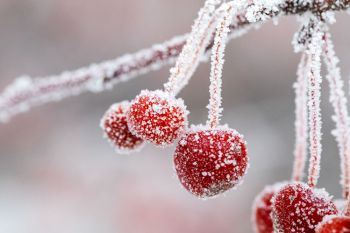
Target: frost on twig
{"points": [[301, 122], [25, 93], [313, 52], [196, 42], [339, 103], [217, 62]]}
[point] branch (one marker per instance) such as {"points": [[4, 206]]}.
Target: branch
{"points": [[26, 92]]}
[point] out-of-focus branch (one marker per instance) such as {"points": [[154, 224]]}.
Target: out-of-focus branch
{"points": [[26, 92]]}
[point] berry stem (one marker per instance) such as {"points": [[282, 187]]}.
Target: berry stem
{"points": [[301, 123], [194, 48], [217, 62], [341, 117], [313, 52]]}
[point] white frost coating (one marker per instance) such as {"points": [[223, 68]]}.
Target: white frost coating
{"points": [[217, 62], [313, 53], [301, 123], [262, 10], [26, 92], [341, 117], [194, 47]]}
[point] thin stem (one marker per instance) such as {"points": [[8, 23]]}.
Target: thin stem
{"points": [[314, 93], [341, 117], [301, 123], [191, 52], [217, 62]]}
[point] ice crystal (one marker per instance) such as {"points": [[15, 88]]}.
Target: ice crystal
{"points": [[210, 161], [301, 123], [217, 62], [313, 52], [195, 45], [299, 208], [339, 103]]}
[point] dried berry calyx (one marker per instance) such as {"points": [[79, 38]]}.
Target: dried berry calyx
{"points": [[334, 224], [210, 161], [116, 130], [157, 117], [298, 208], [262, 208]]}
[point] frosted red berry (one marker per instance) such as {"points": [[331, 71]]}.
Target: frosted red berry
{"points": [[299, 208], [157, 117], [334, 224], [262, 208], [116, 129], [210, 161]]}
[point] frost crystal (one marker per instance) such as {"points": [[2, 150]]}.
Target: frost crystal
{"points": [[341, 117], [301, 123], [217, 62], [313, 52], [196, 42], [262, 10], [116, 129], [157, 117], [299, 208]]}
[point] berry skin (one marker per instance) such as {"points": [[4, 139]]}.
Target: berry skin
{"points": [[157, 117], [210, 161], [262, 208], [299, 208], [116, 129], [334, 224]]}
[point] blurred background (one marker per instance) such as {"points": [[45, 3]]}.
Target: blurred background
{"points": [[57, 173]]}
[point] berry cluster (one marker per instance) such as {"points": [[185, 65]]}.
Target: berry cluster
{"points": [[295, 206], [210, 159]]}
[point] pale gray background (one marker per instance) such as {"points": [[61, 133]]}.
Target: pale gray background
{"points": [[57, 174]]}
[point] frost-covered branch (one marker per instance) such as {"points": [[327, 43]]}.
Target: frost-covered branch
{"points": [[217, 63], [26, 92]]}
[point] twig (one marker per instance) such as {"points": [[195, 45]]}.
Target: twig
{"points": [[27, 92]]}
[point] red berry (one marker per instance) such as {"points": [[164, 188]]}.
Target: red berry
{"points": [[116, 129], [334, 224], [210, 161], [299, 208], [157, 117], [262, 208]]}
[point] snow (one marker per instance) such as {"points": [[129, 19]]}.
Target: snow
{"points": [[217, 63], [191, 53], [313, 52]]}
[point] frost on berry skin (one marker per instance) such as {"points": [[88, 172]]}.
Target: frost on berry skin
{"points": [[116, 129], [157, 117], [334, 224], [210, 161], [262, 208], [299, 208], [340, 204]]}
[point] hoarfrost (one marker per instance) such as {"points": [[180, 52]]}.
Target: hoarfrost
{"points": [[301, 123], [339, 103]]}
